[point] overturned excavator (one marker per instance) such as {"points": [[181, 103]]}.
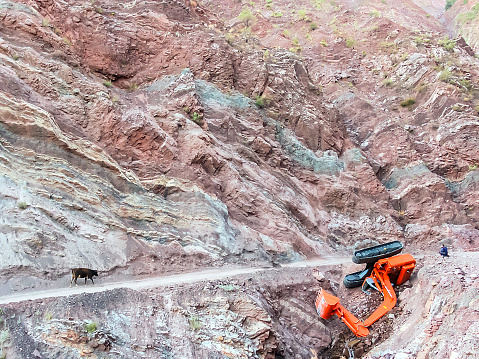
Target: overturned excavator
{"points": [[384, 269]]}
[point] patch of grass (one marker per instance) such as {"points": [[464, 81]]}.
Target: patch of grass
{"points": [[67, 41], [99, 10], [91, 327], [107, 83], [445, 75], [15, 57], [277, 14], [422, 88], [22, 205], [302, 14], [194, 322], [408, 102], [447, 43], [45, 23], [387, 82], [295, 41], [375, 13], [227, 287], [313, 26], [48, 316], [286, 33], [323, 43], [350, 43]]}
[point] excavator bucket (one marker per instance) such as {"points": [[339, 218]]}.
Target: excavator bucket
{"points": [[326, 304]]}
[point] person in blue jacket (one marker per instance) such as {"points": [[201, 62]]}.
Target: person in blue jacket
{"points": [[443, 252]]}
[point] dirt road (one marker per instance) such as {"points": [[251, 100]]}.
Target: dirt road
{"points": [[205, 275]]}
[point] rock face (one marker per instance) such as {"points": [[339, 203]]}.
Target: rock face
{"points": [[159, 137]]}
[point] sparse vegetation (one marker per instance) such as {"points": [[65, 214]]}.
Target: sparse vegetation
{"points": [[4, 335], [313, 26], [194, 323], [99, 10], [408, 102], [449, 3], [15, 57], [295, 42], [22, 205], [107, 83], [302, 14], [48, 316], [447, 43], [323, 43], [67, 41], [387, 82], [277, 14], [260, 102], [227, 287], [91, 327], [45, 23], [247, 17], [375, 13], [196, 117], [350, 43], [133, 87]]}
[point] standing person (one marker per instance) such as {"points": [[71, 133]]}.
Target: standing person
{"points": [[443, 252]]}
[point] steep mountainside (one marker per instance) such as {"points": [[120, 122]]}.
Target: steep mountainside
{"points": [[154, 137]]}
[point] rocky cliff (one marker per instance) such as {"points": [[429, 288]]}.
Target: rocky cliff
{"points": [[157, 137]]}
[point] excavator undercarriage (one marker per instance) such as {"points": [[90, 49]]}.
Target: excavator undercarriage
{"points": [[385, 273]]}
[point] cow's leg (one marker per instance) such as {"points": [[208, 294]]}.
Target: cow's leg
{"points": [[76, 285], [73, 276], [86, 279], [92, 280]]}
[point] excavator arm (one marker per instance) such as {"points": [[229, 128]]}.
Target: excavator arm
{"points": [[327, 305], [399, 267]]}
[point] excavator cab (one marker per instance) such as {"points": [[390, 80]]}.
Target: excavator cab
{"points": [[386, 272]]}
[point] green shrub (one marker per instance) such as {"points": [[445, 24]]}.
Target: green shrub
{"points": [[449, 3], [295, 41], [260, 102], [447, 43], [408, 102], [45, 23], [107, 83], [196, 117], [313, 26], [350, 43], [195, 323], [91, 327], [246, 16], [375, 13], [302, 14], [277, 14], [323, 43], [22, 205]]}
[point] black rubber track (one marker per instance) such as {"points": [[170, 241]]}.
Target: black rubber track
{"points": [[373, 254], [356, 279]]}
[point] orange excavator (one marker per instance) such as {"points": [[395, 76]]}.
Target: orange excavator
{"points": [[386, 271]]}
